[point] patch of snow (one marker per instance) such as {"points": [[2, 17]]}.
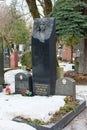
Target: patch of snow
{"points": [[34, 107], [66, 66], [81, 92], [11, 125]]}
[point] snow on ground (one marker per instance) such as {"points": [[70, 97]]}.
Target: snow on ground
{"points": [[36, 107], [11, 125], [67, 66], [81, 92]]}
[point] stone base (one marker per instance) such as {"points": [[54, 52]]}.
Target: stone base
{"points": [[61, 123]]}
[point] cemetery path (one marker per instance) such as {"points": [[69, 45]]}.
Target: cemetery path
{"points": [[79, 122]]}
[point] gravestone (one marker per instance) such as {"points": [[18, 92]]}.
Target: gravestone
{"points": [[44, 56], [14, 59], [23, 80], [1, 65], [6, 58], [66, 86]]}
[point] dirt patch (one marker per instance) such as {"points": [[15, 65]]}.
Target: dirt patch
{"points": [[79, 78]]}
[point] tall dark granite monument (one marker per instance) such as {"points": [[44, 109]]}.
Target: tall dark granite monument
{"points": [[44, 56], [1, 64]]}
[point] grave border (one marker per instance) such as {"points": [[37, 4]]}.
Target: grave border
{"points": [[67, 118]]}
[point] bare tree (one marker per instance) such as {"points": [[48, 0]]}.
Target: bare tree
{"points": [[12, 26], [33, 7], [4, 20]]}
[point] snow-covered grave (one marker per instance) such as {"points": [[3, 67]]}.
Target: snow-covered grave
{"points": [[35, 107]]}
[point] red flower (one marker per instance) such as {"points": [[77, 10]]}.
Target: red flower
{"points": [[23, 93], [25, 89], [8, 90]]}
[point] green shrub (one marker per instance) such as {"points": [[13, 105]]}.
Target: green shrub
{"points": [[26, 59]]}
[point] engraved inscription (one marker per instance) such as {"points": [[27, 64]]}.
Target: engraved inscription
{"points": [[20, 87], [41, 89]]}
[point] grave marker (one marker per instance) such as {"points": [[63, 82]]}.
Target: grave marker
{"points": [[65, 86], [44, 56], [6, 58], [23, 81]]}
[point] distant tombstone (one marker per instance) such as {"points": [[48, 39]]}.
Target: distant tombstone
{"points": [[23, 81], [1, 64], [14, 59], [6, 58], [21, 47], [44, 56], [65, 86]]}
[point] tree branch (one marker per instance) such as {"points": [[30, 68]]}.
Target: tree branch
{"points": [[33, 8], [48, 7]]}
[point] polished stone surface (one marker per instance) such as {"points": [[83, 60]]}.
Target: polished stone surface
{"points": [[66, 86], [44, 56], [23, 81]]}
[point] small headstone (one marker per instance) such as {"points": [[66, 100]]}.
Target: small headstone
{"points": [[66, 86], [44, 56], [23, 81]]}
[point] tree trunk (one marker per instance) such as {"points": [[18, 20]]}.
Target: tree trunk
{"points": [[71, 54], [85, 57], [33, 8], [83, 51], [85, 48], [48, 7]]}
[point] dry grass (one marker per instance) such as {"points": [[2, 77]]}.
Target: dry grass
{"points": [[79, 78]]}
